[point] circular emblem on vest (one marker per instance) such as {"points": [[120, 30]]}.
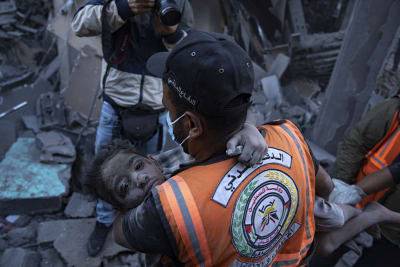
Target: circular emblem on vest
{"points": [[263, 213]]}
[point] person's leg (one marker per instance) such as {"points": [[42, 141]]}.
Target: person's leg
{"points": [[108, 129], [157, 142], [373, 213]]}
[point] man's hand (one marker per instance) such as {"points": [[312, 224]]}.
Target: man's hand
{"points": [[252, 142], [141, 6], [161, 28]]}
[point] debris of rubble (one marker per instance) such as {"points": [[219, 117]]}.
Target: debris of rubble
{"points": [[51, 111], [26, 185], [79, 206], [55, 147], [19, 257], [23, 38], [314, 56], [70, 238], [21, 235]]}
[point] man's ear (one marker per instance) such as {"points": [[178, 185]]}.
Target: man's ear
{"points": [[194, 123]]}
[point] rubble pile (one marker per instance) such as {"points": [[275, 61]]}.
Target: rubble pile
{"points": [[291, 45], [25, 45]]}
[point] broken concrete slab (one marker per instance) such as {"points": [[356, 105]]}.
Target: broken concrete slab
{"points": [[8, 136], [50, 258], [21, 236], [51, 110], [7, 6], [18, 257], [26, 185], [3, 244], [31, 123], [79, 206], [296, 13], [271, 88], [70, 238], [55, 147], [279, 65]]}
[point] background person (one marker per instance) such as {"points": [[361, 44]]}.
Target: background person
{"points": [[136, 35]]}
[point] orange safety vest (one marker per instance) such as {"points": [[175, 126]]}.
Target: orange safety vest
{"points": [[227, 214], [381, 156]]}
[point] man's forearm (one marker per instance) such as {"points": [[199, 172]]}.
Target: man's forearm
{"points": [[323, 184], [376, 181]]}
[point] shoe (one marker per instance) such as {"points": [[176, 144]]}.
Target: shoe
{"points": [[97, 239]]}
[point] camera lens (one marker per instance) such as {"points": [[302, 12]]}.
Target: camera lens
{"points": [[168, 12]]}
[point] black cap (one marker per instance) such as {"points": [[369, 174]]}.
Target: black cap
{"points": [[207, 70]]}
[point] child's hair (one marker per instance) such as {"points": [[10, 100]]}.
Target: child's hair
{"points": [[93, 184]]}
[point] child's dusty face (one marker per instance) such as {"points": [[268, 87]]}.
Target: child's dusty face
{"points": [[130, 177]]}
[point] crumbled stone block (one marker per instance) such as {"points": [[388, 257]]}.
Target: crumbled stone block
{"points": [[19, 257], [50, 258], [70, 238], [26, 185], [21, 236], [79, 206]]}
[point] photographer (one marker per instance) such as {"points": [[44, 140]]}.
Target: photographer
{"points": [[132, 96]]}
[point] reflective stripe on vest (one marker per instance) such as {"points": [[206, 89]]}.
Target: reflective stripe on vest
{"points": [[306, 174], [381, 156], [188, 221]]}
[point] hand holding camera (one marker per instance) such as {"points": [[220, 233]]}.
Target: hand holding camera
{"points": [[166, 10], [141, 6]]}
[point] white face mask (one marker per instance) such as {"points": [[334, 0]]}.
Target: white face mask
{"points": [[171, 128]]}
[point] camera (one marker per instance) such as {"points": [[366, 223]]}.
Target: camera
{"points": [[168, 12]]}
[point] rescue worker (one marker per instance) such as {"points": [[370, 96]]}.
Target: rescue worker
{"points": [[217, 211], [373, 147]]}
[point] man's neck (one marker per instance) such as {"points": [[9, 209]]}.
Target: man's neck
{"points": [[207, 150]]}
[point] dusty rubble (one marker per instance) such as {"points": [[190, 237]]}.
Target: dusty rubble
{"points": [[298, 48]]}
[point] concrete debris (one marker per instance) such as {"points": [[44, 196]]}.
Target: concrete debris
{"points": [[3, 245], [279, 65], [314, 56], [8, 136], [70, 238], [51, 111], [7, 7], [22, 35], [31, 123], [18, 257], [50, 258], [21, 236], [79, 206], [297, 16], [271, 88], [26, 185], [55, 147]]}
